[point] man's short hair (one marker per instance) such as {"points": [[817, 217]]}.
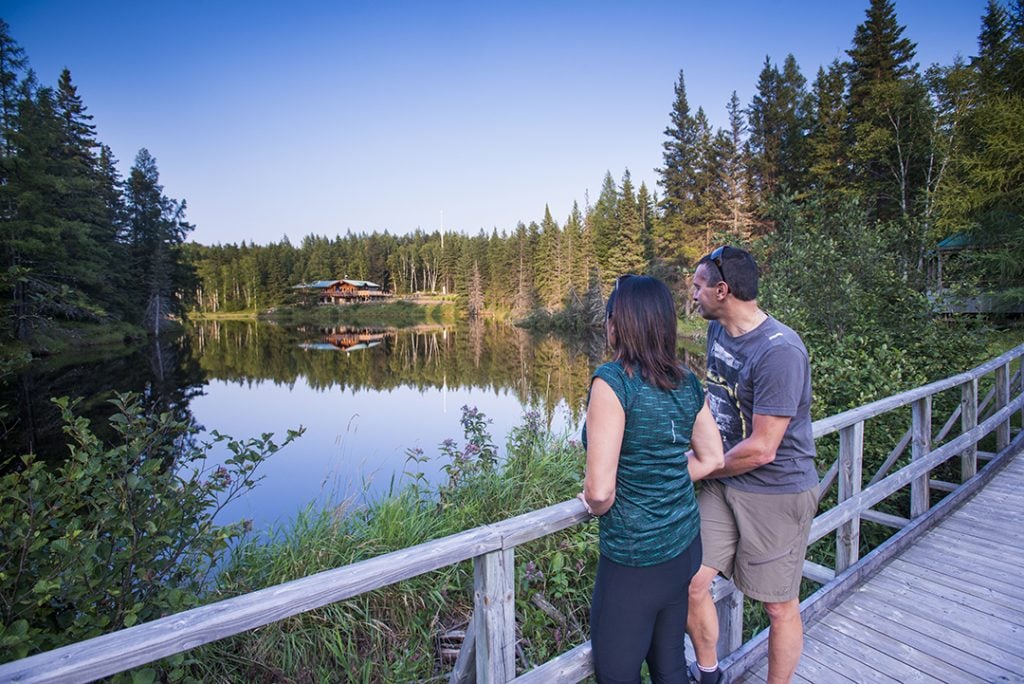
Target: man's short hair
{"points": [[736, 267]]}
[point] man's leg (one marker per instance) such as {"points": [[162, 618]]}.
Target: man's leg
{"points": [[785, 640], [702, 621]]}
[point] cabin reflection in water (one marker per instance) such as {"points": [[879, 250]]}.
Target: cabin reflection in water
{"points": [[348, 339]]}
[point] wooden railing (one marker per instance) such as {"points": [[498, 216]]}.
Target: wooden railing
{"points": [[488, 652]]}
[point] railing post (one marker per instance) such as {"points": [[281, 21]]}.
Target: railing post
{"points": [[730, 621], [1002, 399], [494, 616], [1020, 386], [851, 464], [921, 446], [968, 421]]}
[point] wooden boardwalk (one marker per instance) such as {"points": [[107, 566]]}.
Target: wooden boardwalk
{"points": [[950, 608]]}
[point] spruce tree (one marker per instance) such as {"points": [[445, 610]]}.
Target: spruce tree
{"points": [[680, 234], [890, 120], [551, 266], [604, 226], [828, 144], [627, 256], [157, 228], [734, 216], [993, 60], [778, 122]]}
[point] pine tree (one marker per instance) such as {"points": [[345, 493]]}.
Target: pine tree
{"points": [[778, 130], [993, 60], [90, 230], [680, 234], [604, 226], [157, 228], [13, 64], [628, 254], [734, 216], [551, 265], [828, 145], [889, 115]]}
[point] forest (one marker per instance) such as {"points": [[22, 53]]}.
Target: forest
{"points": [[856, 175]]}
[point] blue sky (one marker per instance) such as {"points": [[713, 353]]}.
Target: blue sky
{"points": [[276, 119]]}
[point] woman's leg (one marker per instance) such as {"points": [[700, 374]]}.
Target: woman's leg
{"points": [[666, 659]]}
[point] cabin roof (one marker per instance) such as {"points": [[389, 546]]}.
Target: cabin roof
{"points": [[324, 284], [956, 241]]}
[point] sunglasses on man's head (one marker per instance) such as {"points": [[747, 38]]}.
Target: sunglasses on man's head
{"points": [[716, 258]]}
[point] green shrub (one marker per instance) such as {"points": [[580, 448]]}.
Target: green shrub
{"points": [[118, 533]]}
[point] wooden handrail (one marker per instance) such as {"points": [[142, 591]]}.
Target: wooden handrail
{"points": [[491, 547]]}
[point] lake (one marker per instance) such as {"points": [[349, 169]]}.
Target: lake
{"points": [[366, 397]]}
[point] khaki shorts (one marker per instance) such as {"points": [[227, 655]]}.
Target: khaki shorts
{"points": [[757, 540]]}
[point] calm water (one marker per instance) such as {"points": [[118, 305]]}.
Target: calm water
{"points": [[365, 397]]}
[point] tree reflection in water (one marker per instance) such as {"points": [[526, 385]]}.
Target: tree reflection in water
{"points": [[366, 396]]}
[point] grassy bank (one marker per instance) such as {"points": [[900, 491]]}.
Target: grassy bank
{"points": [[68, 339], [407, 631], [391, 314]]}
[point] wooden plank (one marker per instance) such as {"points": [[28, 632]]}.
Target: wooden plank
{"points": [[983, 547], [901, 446], [760, 676], [831, 665], [540, 523], [894, 625], [920, 620], [851, 458], [976, 528], [870, 656], [818, 573], [969, 584], [961, 618], [928, 589], [885, 518], [1004, 492], [111, 653], [942, 485], [920, 661], [464, 670], [1002, 399], [494, 608], [968, 419], [729, 609], [920, 447], [1001, 582], [994, 567], [572, 666], [1007, 504]]}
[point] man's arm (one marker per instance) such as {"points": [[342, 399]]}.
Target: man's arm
{"points": [[757, 449]]}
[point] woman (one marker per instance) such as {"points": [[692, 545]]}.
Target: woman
{"points": [[645, 414]]}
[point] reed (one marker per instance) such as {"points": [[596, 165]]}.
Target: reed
{"points": [[411, 631]]}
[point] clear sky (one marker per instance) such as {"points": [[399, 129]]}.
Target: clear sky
{"points": [[293, 118]]}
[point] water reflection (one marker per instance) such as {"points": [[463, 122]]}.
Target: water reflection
{"points": [[365, 395]]}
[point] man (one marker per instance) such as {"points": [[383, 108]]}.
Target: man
{"points": [[756, 511]]}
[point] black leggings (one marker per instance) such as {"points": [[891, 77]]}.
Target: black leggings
{"points": [[639, 614]]}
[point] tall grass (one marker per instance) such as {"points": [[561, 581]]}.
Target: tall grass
{"points": [[405, 632]]}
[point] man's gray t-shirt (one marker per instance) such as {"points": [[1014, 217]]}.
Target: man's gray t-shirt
{"points": [[764, 371]]}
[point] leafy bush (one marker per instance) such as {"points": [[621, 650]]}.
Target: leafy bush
{"points": [[118, 533], [845, 283]]}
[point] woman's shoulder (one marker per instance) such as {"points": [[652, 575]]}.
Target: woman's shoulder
{"points": [[610, 368]]}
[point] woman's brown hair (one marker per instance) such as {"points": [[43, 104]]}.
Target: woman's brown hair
{"points": [[643, 315]]}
